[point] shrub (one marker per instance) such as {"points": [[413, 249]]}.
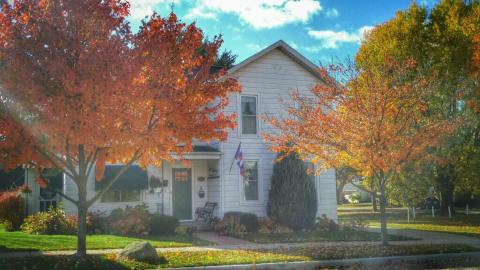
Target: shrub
{"points": [[268, 225], [129, 221], [230, 225], [355, 224], [96, 223], [11, 209], [184, 230], [163, 225], [292, 198], [54, 221], [249, 220], [325, 224]]}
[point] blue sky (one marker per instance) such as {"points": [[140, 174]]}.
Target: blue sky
{"points": [[322, 30]]}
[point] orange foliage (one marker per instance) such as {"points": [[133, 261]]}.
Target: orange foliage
{"points": [[76, 80], [373, 122]]}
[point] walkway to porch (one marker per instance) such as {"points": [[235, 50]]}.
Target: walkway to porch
{"points": [[220, 239]]}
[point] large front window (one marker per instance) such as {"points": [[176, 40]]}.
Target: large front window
{"points": [[250, 180], [249, 115], [121, 196]]}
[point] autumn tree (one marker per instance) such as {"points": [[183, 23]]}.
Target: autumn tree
{"points": [[440, 40], [375, 122], [79, 89]]}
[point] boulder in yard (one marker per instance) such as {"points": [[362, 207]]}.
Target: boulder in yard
{"points": [[140, 251]]}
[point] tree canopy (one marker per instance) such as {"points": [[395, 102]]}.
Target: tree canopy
{"points": [[79, 89]]}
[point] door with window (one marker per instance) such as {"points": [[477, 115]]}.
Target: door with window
{"points": [[182, 193]]}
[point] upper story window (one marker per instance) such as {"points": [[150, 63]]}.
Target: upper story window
{"points": [[249, 115], [250, 180]]}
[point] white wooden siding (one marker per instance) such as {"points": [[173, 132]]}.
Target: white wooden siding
{"points": [[272, 77]]}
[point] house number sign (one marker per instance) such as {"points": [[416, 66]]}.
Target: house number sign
{"points": [[181, 176]]}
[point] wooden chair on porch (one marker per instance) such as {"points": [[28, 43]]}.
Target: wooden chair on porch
{"points": [[205, 213]]}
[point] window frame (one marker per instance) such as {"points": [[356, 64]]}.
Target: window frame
{"points": [[240, 114], [260, 183], [121, 195]]}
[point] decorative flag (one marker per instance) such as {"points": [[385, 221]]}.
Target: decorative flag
{"points": [[239, 158]]}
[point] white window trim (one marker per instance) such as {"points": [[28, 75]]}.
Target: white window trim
{"points": [[260, 184], [124, 202], [239, 113]]}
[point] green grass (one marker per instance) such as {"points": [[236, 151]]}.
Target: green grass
{"points": [[397, 219], [228, 257], [18, 241], [318, 237]]}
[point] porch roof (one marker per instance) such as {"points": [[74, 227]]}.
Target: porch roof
{"points": [[203, 152]]}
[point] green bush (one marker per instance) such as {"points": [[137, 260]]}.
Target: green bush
{"points": [[54, 221], [292, 199], [11, 209], [249, 220], [163, 225]]}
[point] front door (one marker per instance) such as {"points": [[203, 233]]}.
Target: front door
{"points": [[182, 193]]}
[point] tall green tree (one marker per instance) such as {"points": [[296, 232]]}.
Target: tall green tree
{"points": [[226, 59], [292, 199], [440, 40]]}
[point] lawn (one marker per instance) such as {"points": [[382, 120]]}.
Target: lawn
{"points": [[318, 237], [460, 223], [17, 241], [225, 257]]}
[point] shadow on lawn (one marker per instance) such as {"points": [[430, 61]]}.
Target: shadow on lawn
{"points": [[4, 249], [97, 262]]}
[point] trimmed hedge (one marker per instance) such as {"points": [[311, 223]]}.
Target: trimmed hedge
{"points": [[249, 220], [163, 225]]}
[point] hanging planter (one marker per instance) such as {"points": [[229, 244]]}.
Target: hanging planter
{"points": [[201, 193]]}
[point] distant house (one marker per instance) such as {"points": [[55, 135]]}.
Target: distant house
{"points": [[178, 188], [350, 189]]}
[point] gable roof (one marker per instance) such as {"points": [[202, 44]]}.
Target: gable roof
{"points": [[286, 49]]}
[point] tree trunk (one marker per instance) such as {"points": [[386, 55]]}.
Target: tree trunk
{"points": [[445, 180], [374, 203], [82, 223], [340, 193], [383, 215], [374, 198]]}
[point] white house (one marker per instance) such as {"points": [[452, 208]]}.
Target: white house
{"points": [[265, 77]]}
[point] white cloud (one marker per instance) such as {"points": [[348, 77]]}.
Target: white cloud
{"points": [[260, 14], [312, 49], [141, 8], [254, 47], [332, 13], [293, 45], [332, 39], [199, 12]]}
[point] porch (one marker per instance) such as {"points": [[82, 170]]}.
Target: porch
{"points": [[174, 189]]}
